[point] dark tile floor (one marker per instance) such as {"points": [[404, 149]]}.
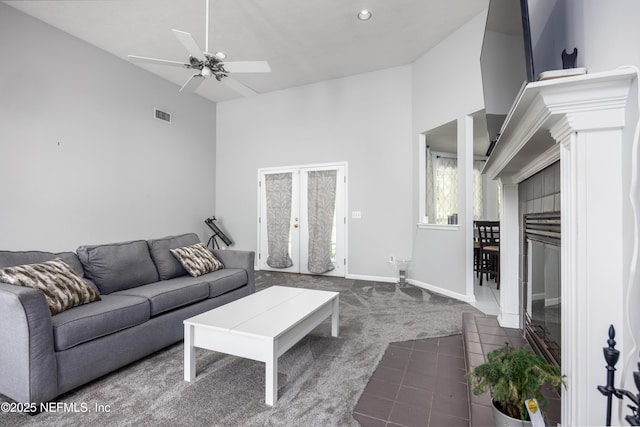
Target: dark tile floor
{"points": [[417, 383], [481, 335], [423, 383]]}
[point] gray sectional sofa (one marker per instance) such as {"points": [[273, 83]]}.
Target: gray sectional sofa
{"points": [[145, 295]]}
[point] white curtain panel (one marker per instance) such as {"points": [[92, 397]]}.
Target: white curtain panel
{"points": [[278, 189], [430, 191], [446, 188], [321, 202]]}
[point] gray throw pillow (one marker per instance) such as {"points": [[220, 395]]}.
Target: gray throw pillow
{"points": [[197, 259], [62, 287]]}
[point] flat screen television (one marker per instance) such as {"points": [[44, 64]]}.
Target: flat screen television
{"points": [[523, 41]]}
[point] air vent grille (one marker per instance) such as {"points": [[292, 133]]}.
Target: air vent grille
{"points": [[162, 115]]}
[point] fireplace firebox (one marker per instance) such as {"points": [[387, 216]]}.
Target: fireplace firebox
{"points": [[542, 296]]}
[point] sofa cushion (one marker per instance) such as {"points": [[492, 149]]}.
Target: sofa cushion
{"points": [[85, 323], [169, 294], [117, 266], [62, 287], [197, 259], [225, 280], [11, 258], [167, 264]]}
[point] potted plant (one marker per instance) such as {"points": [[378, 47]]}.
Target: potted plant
{"points": [[514, 375]]}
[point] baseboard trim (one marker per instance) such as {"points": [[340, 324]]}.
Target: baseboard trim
{"points": [[470, 299], [371, 278], [464, 298]]}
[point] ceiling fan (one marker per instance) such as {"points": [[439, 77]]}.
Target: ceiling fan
{"points": [[208, 65]]}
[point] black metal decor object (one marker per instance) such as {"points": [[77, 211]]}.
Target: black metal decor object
{"points": [[217, 233], [569, 59], [611, 356]]}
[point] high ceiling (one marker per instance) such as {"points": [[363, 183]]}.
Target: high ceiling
{"points": [[304, 41]]}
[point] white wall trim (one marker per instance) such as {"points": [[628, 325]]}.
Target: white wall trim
{"points": [[470, 299], [446, 227], [371, 278], [464, 298], [544, 160]]}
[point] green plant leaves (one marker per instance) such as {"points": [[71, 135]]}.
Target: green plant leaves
{"points": [[514, 375]]}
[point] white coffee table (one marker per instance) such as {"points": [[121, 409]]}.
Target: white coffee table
{"points": [[261, 326]]}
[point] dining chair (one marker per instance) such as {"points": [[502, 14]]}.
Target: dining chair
{"points": [[489, 253]]}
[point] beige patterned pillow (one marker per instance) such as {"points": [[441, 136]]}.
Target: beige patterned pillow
{"points": [[197, 259], [62, 287]]}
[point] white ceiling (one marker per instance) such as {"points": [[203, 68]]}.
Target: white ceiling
{"points": [[304, 41]]}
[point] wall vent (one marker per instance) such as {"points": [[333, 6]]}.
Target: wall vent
{"points": [[162, 115]]}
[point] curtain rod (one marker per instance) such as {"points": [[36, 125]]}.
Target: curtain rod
{"points": [[451, 157]]}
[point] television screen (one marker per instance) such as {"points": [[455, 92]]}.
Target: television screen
{"points": [[503, 61], [523, 39]]}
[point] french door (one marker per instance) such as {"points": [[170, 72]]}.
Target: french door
{"points": [[301, 220]]}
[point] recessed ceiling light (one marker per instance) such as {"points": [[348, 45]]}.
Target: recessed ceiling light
{"points": [[364, 15], [220, 55]]}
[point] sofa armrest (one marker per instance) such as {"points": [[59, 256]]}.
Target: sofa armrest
{"points": [[239, 259], [28, 368]]}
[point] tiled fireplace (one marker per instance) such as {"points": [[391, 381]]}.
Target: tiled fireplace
{"points": [[582, 129], [539, 273]]}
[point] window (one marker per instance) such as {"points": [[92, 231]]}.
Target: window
{"points": [[445, 188], [441, 175]]}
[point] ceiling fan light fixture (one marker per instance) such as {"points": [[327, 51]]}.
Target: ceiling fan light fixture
{"points": [[207, 65], [364, 15]]}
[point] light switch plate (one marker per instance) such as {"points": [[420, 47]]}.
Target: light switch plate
{"points": [[356, 215]]}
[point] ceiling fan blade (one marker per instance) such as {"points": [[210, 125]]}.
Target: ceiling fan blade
{"points": [[190, 44], [239, 87], [158, 61], [192, 84], [247, 67]]}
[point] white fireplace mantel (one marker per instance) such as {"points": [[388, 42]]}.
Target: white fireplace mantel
{"points": [[582, 122]]}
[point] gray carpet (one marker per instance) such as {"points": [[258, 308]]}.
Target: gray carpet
{"points": [[320, 379]]}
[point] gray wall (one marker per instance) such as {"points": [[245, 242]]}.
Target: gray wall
{"points": [[364, 120], [446, 86], [605, 33], [83, 159]]}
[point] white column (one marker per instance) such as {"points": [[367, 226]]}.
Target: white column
{"points": [[509, 316], [465, 186], [592, 258]]}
